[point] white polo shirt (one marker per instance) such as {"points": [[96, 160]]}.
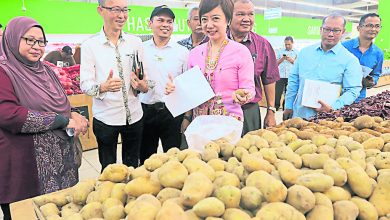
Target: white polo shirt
{"points": [[98, 57], [159, 62]]}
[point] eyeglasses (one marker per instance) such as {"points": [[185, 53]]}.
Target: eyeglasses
{"points": [[372, 26], [31, 41], [117, 10], [328, 30]]}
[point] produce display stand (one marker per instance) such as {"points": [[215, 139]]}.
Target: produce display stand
{"points": [[84, 104]]}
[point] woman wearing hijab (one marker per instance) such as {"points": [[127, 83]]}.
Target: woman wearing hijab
{"points": [[37, 156]]}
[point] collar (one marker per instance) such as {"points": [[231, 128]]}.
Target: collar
{"points": [[169, 44], [246, 38], [104, 39], [335, 49]]}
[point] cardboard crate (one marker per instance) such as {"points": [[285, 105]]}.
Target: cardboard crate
{"points": [[84, 104]]}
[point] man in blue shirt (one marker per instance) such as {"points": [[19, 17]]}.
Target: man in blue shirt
{"points": [[329, 62], [366, 51]]}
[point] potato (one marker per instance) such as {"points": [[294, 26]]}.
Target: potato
{"points": [[336, 193], [316, 182], [279, 210], [49, 209], [114, 213], [118, 192], [251, 198], [244, 143], [314, 161], [188, 153], [319, 140], [142, 210], [301, 198], [272, 189], [92, 210], [103, 191], [54, 217], [235, 214], [374, 143], [252, 163], [111, 202], [70, 209], [238, 152], [197, 165], [364, 121], [386, 148], [288, 173], [81, 190], [382, 160], [269, 136], [323, 200], [354, 145], [196, 187], [209, 207], [115, 173], [341, 151], [285, 153], [359, 156], [277, 144], [148, 186], [191, 215], [306, 149], [371, 171], [345, 210], [320, 212], [240, 172], [172, 174], [296, 123], [227, 150], [226, 179], [360, 136], [217, 164], [140, 172], [380, 197], [359, 181], [171, 211], [168, 193], [386, 137], [333, 169], [229, 195], [298, 143], [152, 164], [366, 210], [268, 154], [76, 216], [326, 149]]}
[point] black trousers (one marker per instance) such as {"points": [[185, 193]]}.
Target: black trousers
{"points": [[280, 88], [6, 211], [107, 139], [159, 124]]}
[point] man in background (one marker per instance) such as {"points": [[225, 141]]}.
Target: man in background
{"points": [[266, 67], [327, 61], [286, 58], [61, 58], [368, 54], [197, 35]]}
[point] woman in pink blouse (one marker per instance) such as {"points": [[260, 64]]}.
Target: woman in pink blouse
{"points": [[226, 64]]}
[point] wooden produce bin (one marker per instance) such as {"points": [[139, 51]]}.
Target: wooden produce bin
{"points": [[84, 104], [385, 79]]}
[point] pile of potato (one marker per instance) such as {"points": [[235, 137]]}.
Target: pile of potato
{"points": [[298, 170]]}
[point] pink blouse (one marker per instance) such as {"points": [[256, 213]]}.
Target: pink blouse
{"points": [[234, 71]]}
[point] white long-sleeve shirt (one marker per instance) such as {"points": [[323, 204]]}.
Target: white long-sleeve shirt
{"points": [[159, 63], [98, 57]]}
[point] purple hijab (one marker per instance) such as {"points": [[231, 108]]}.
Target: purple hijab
{"points": [[35, 84]]}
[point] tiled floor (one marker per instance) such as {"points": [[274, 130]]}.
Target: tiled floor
{"points": [[90, 167]]}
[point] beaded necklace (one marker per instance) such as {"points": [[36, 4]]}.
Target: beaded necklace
{"points": [[212, 64]]}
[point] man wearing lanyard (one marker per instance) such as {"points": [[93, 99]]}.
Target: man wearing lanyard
{"points": [[286, 58], [266, 66], [106, 75], [164, 60], [369, 55]]}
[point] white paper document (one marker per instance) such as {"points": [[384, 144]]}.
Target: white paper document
{"points": [[192, 89], [315, 91], [366, 71]]}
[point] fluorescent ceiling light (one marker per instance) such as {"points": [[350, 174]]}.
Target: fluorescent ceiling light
{"points": [[322, 6]]}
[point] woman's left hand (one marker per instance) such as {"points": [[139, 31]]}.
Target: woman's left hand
{"points": [[241, 96], [80, 125]]}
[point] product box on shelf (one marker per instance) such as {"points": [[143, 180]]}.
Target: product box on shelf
{"points": [[84, 104]]}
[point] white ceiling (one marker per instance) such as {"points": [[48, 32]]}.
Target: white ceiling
{"points": [[351, 9]]}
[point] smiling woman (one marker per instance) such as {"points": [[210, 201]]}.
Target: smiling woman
{"points": [[36, 154]]}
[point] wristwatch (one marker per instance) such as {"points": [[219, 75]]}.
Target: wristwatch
{"points": [[271, 108]]}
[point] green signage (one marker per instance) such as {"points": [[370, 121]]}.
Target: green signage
{"points": [[63, 17]]}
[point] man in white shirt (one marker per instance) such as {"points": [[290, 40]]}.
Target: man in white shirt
{"points": [[106, 75], [164, 59]]}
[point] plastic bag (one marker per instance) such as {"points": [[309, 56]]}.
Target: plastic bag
{"points": [[206, 128]]}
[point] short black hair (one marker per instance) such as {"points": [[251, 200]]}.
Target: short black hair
{"points": [[364, 17], [227, 6], [289, 38], [1, 26]]}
